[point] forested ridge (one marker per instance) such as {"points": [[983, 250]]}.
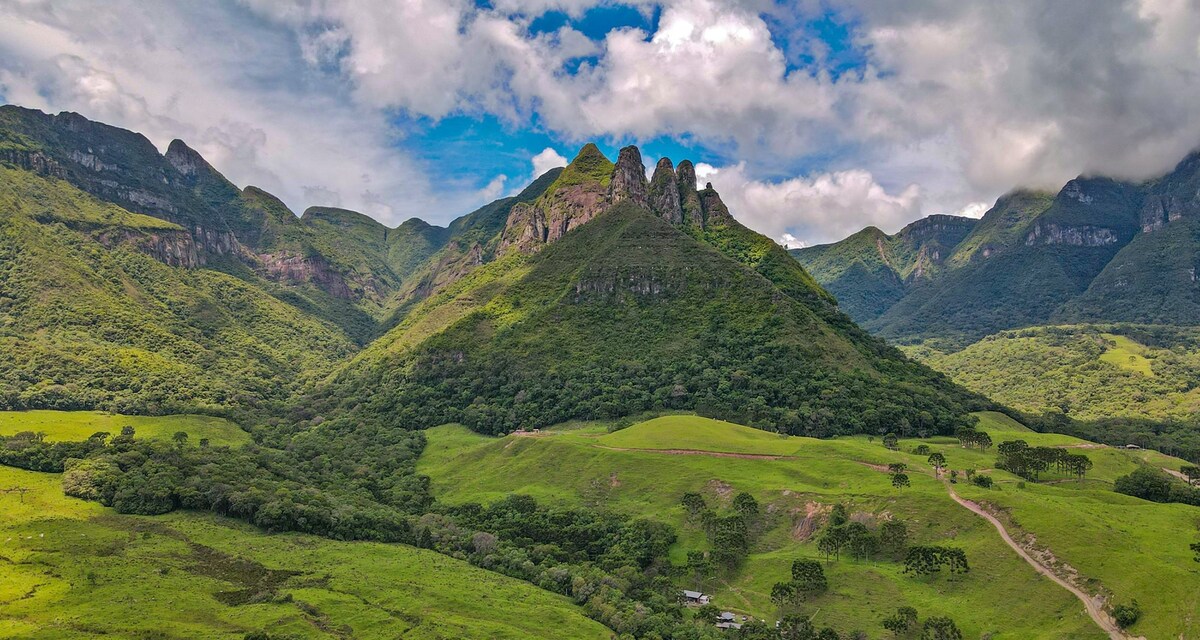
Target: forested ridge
{"points": [[335, 341]]}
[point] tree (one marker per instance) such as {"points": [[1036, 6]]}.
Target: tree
{"points": [[860, 541], [983, 440], [796, 627], [982, 481], [203, 443], [1127, 614], [180, 438], [839, 515], [954, 476], [808, 577], [747, 507], [1078, 465], [699, 565], [900, 480], [893, 535], [891, 441], [783, 594], [921, 450], [900, 622], [1195, 547], [923, 560], [897, 467], [940, 628], [833, 541], [694, 503], [127, 431], [1192, 473], [1145, 483], [938, 462]]}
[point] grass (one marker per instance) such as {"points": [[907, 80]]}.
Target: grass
{"points": [[79, 425], [629, 472], [1126, 354], [73, 569]]}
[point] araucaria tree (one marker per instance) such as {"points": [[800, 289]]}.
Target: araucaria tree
{"points": [[938, 462], [940, 628], [923, 560]]}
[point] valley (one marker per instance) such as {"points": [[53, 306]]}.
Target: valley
{"points": [[552, 415]]}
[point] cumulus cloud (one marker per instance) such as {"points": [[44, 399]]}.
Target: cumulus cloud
{"points": [[821, 208], [966, 100], [546, 160]]}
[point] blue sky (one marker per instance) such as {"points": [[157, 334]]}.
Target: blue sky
{"points": [[813, 118]]}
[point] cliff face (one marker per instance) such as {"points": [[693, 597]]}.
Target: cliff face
{"points": [[591, 185]]}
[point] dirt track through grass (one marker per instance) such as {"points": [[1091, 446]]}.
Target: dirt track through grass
{"points": [[1094, 608]]}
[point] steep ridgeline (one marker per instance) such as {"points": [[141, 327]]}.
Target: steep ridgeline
{"points": [[611, 294], [1099, 250], [144, 282], [870, 271]]}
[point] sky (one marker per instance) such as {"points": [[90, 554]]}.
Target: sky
{"points": [[812, 118]]}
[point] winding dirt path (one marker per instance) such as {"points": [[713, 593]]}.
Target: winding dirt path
{"points": [[1093, 605]]}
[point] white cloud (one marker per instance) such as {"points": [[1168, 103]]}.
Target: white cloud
{"points": [[546, 160], [966, 100], [821, 208], [974, 210]]}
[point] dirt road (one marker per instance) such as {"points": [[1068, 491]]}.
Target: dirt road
{"points": [[1094, 607]]}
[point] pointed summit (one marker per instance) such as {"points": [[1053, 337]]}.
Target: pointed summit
{"points": [[629, 178], [664, 193], [689, 199]]}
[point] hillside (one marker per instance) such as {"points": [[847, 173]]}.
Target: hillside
{"points": [[1100, 250], [870, 271], [207, 577], [647, 468], [595, 310]]}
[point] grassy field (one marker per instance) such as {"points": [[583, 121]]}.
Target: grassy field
{"points": [[644, 470], [78, 425], [1091, 372], [1127, 354], [73, 569]]}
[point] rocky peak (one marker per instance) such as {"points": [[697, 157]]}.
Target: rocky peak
{"points": [[711, 204], [689, 199], [629, 178], [185, 159], [664, 193]]}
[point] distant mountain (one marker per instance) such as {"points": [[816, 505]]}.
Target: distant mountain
{"points": [[870, 271], [611, 294], [1101, 250], [147, 282]]}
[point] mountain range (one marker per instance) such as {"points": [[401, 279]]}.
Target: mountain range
{"points": [[146, 282], [1100, 250]]}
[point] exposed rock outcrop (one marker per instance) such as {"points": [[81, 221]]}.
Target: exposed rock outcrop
{"points": [[581, 191], [664, 193], [174, 248], [629, 179], [710, 202], [292, 268], [1077, 236], [689, 198], [1159, 210]]}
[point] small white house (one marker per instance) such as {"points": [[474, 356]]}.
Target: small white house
{"points": [[695, 597]]}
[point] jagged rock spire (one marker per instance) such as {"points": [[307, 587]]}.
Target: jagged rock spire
{"points": [[629, 178], [710, 202], [689, 199], [664, 193]]}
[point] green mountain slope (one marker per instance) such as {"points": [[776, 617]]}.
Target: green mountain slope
{"points": [[1101, 250], [627, 311], [1089, 372], [93, 316], [870, 271]]}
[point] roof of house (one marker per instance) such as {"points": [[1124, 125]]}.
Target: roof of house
{"points": [[691, 594]]}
